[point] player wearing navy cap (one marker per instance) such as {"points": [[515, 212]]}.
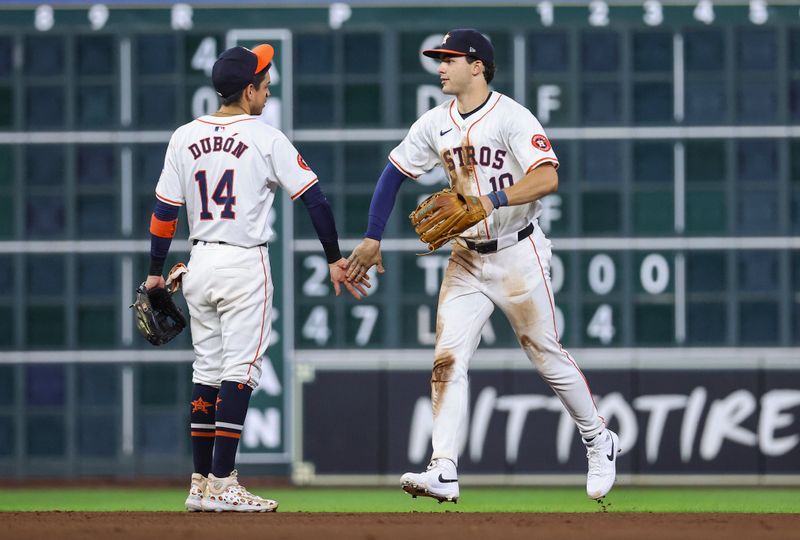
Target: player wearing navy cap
{"points": [[226, 168], [494, 149]]}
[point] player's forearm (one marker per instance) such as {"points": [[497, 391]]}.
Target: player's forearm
{"points": [[321, 214], [541, 181], [163, 223], [380, 208]]}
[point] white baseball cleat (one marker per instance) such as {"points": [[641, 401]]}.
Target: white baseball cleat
{"points": [[602, 455], [194, 501], [228, 495], [439, 481]]}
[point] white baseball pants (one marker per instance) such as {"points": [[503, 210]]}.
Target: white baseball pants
{"points": [[229, 293], [517, 280]]}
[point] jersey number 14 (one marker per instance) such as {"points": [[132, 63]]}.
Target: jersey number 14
{"points": [[223, 195]]}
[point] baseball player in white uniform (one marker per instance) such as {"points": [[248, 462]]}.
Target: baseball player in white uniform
{"points": [[226, 168], [493, 148]]}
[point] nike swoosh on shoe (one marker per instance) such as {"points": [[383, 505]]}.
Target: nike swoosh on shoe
{"points": [[447, 480]]}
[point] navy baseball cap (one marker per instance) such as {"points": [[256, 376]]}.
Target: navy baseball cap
{"points": [[464, 42], [234, 69]]}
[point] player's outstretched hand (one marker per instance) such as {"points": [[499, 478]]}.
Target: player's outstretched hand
{"points": [[358, 288], [366, 255], [154, 281]]}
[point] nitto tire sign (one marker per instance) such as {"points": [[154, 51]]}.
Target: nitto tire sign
{"points": [[688, 422]]}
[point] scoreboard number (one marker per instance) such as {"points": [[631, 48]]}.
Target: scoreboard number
{"points": [[653, 13], [556, 273], [704, 11], [598, 13], [98, 16], [316, 327], [654, 273], [545, 10], [317, 283], [601, 326], [204, 101], [758, 11], [602, 274], [43, 18], [368, 316], [206, 54]]}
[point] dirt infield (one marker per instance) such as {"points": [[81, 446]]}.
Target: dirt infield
{"points": [[463, 526]]}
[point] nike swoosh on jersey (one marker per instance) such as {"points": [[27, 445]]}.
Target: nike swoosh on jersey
{"points": [[443, 133]]}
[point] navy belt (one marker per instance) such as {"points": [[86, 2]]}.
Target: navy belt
{"points": [[491, 245], [205, 242]]}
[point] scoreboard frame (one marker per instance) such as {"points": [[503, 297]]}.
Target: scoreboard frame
{"points": [[300, 363]]}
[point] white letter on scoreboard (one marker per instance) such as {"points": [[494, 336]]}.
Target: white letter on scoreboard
{"points": [[551, 211], [428, 97], [429, 64], [425, 336], [432, 266], [262, 428], [547, 100]]}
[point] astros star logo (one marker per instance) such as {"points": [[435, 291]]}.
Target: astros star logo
{"points": [[446, 37], [200, 405]]}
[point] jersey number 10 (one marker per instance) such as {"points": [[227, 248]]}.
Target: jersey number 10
{"points": [[501, 181], [223, 195]]}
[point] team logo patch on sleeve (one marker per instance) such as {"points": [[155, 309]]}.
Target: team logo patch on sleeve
{"points": [[541, 142], [302, 163]]}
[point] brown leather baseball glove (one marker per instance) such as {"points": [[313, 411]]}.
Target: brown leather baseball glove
{"points": [[445, 215]]}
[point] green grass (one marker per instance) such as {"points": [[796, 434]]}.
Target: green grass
{"points": [[476, 499]]}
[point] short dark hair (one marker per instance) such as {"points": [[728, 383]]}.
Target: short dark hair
{"points": [[258, 78], [488, 69]]}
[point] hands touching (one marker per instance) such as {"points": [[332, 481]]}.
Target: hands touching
{"points": [[366, 255], [357, 287]]}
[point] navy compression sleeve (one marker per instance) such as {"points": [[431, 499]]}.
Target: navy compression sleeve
{"points": [[319, 209], [383, 201], [162, 229]]}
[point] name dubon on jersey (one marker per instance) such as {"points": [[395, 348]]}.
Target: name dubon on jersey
{"points": [[226, 171], [491, 149]]}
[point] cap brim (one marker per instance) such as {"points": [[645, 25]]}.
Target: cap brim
{"points": [[436, 53], [264, 53]]}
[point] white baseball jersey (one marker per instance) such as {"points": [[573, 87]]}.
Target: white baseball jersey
{"points": [[226, 171], [491, 149]]}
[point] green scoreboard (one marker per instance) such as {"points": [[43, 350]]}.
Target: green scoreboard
{"points": [[675, 225]]}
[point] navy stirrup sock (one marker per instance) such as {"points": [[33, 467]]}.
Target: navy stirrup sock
{"points": [[202, 426], [232, 404]]}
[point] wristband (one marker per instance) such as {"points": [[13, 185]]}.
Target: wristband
{"points": [[492, 195], [503, 198]]}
